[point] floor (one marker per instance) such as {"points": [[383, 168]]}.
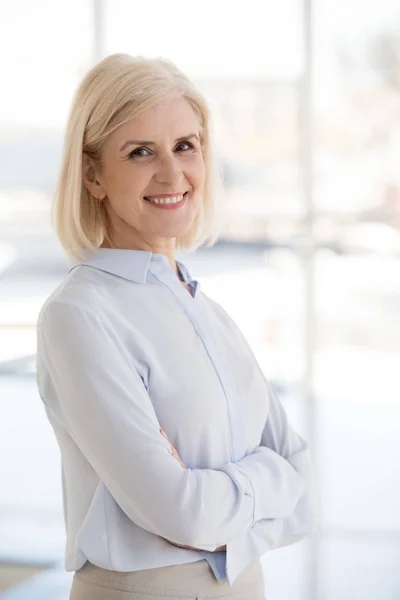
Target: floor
{"points": [[12, 575]]}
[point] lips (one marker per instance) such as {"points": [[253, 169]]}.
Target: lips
{"points": [[178, 195], [170, 206]]}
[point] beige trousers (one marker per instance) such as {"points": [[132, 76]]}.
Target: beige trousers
{"points": [[192, 581]]}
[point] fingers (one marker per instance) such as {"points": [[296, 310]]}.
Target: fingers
{"points": [[173, 449], [164, 435]]}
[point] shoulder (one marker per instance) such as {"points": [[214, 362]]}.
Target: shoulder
{"points": [[71, 301]]}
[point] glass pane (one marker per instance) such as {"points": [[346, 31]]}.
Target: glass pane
{"points": [[357, 87], [356, 368], [360, 568], [248, 69], [39, 69], [357, 186], [44, 49]]}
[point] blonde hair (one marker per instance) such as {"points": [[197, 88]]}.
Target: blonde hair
{"points": [[114, 91]]}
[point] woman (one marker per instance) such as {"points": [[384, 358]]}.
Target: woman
{"points": [[179, 466]]}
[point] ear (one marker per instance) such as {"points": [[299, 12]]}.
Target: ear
{"points": [[90, 178]]}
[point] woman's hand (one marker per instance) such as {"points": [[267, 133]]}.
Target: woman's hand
{"points": [[178, 458]]}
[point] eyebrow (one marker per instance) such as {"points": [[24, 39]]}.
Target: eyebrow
{"points": [[150, 143]]}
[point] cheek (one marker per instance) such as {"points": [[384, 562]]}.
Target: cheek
{"points": [[128, 181], [197, 172]]}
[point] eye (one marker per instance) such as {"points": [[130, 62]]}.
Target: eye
{"points": [[184, 147], [140, 152]]}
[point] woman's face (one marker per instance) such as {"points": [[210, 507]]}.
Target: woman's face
{"points": [[154, 157]]}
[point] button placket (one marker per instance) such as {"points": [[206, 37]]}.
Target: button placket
{"points": [[197, 313]]}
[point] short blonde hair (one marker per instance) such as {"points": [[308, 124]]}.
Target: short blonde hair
{"points": [[113, 92]]}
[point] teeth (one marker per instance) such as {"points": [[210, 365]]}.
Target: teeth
{"points": [[172, 200]]}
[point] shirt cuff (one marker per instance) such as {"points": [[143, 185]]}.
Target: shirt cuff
{"points": [[276, 486]]}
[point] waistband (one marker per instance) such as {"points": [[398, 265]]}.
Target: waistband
{"points": [[176, 581]]}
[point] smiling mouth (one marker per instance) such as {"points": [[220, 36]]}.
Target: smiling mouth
{"points": [[166, 200]]}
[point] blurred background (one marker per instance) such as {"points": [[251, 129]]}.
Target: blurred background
{"points": [[306, 104]]}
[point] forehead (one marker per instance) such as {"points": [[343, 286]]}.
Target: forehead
{"points": [[174, 117]]}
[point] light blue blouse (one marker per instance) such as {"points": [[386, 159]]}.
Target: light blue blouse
{"points": [[123, 350]]}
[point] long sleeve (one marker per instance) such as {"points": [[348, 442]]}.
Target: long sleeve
{"points": [[280, 436], [269, 533], [103, 404]]}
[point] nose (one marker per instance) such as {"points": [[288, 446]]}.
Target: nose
{"points": [[169, 170]]}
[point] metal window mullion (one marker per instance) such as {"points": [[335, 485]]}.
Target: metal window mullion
{"points": [[308, 258]]}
